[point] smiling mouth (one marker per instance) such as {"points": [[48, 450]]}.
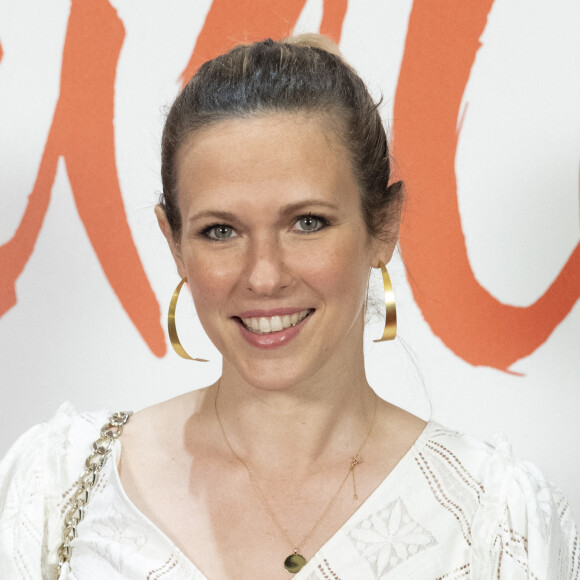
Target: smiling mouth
{"points": [[268, 325]]}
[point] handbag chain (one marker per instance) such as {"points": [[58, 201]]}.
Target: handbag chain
{"points": [[85, 484]]}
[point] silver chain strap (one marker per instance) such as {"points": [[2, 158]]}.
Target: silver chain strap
{"points": [[94, 464]]}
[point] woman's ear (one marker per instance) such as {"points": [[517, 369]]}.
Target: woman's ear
{"points": [[168, 234], [388, 237]]}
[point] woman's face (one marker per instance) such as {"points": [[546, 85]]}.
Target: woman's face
{"points": [[274, 246]]}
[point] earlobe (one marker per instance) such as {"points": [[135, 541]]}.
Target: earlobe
{"points": [[383, 252], [168, 235]]}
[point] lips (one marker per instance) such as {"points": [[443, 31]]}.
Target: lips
{"points": [[259, 327], [277, 323]]}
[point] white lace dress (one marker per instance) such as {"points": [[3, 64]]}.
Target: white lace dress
{"points": [[453, 508]]}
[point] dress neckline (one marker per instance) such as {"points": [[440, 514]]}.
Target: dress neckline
{"points": [[363, 507]]}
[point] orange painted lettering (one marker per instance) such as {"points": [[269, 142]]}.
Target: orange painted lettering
{"points": [[441, 45], [82, 132]]}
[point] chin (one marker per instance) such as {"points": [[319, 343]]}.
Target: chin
{"points": [[273, 375]]}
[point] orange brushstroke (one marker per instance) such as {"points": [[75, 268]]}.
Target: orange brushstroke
{"points": [[230, 22], [442, 41], [333, 15], [82, 132]]}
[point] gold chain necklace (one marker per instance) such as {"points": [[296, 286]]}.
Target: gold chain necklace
{"points": [[295, 561]]}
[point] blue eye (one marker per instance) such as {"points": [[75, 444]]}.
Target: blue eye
{"points": [[219, 232], [310, 223]]}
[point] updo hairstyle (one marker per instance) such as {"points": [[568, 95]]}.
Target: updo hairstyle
{"points": [[302, 74]]}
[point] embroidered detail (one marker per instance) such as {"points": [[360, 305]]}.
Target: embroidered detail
{"points": [[462, 572], [440, 469], [66, 498], [575, 559], [328, 573], [456, 465], [569, 552], [118, 536], [390, 537], [436, 430], [510, 544], [169, 564]]}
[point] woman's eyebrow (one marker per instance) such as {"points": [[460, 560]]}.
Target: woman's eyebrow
{"points": [[286, 210], [307, 204], [214, 214]]}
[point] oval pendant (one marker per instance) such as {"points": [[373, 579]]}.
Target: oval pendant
{"points": [[294, 563]]}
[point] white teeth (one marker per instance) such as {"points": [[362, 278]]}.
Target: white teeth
{"points": [[265, 325]]}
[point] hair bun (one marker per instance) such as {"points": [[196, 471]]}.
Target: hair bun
{"points": [[314, 40]]}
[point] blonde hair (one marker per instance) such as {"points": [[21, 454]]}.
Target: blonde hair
{"points": [[314, 40]]}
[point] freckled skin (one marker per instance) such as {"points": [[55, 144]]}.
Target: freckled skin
{"points": [[254, 169]]}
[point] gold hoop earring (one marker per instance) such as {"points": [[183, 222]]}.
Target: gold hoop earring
{"points": [[390, 331], [174, 339]]}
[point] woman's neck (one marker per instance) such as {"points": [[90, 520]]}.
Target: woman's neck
{"points": [[321, 423]]}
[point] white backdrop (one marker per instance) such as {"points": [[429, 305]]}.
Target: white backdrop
{"points": [[67, 335]]}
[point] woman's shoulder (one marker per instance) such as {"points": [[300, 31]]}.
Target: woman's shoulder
{"points": [[491, 467], [62, 437], [519, 521], [458, 450], [161, 426], [54, 444], [36, 476]]}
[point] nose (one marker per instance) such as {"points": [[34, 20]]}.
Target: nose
{"points": [[265, 269]]}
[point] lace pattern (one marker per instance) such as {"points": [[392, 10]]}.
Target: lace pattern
{"points": [[452, 509]]}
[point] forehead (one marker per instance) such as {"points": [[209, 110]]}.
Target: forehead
{"points": [[265, 158]]}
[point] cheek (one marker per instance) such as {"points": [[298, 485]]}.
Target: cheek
{"points": [[340, 273], [210, 279]]}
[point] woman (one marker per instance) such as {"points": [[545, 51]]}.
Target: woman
{"points": [[276, 204]]}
